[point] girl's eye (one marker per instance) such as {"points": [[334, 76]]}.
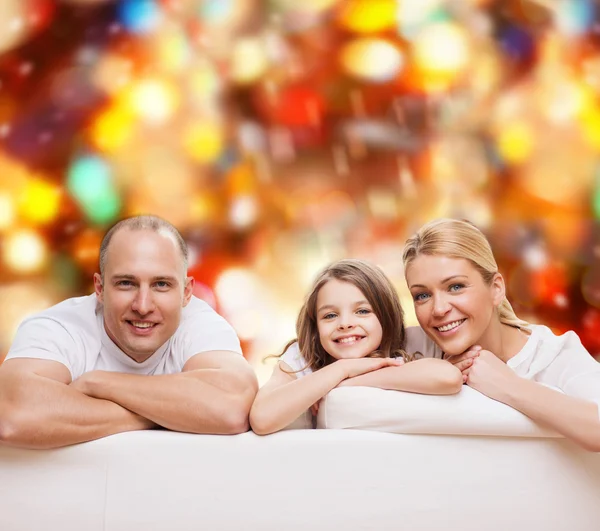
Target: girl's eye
{"points": [[363, 311], [329, 316]]}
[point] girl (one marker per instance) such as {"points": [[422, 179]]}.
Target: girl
{"points": [[460, 303], [350, 332]]}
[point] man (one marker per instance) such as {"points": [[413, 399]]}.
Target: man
{"points": [[140, 352]]}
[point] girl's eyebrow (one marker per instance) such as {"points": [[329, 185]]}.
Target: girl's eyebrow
{"points": [[333, 307]]}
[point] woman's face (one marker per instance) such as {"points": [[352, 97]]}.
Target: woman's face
{"points": [[453, 305], [348, 327]]}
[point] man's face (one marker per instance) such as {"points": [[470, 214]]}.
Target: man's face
{"points": [[143, 291]]}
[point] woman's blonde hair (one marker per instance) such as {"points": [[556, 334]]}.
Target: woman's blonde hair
{"points": [[381, 295], [460, 239]]}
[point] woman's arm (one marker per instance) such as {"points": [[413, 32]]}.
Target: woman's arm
{"points": [[427, 376], [284, 397], [576, 418]]}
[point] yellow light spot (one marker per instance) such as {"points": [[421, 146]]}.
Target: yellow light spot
{"points": [[515, 142], [173, 54], [590, 124], [40, 201], [154, 100], [24, 251], [7, 211], [203, 141], [372, 59], [112, 129], [249, 60], [441, 50], [369, 16]]}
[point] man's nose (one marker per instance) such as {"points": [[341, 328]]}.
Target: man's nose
{"points": [[144, 301]]}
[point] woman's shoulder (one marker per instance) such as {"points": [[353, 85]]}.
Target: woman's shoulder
{"points": [[418, 341]]}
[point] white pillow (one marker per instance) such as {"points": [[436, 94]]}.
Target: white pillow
{"points": [[466, 413]]}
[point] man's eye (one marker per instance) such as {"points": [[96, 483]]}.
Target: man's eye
{"points": [[162, 284], [124, 283]]}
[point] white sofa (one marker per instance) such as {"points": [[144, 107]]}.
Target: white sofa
{"points": [[305, 479]]}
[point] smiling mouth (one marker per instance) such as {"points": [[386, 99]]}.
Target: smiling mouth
{"points": [[450, 326], [142, 325], [351, 340]]}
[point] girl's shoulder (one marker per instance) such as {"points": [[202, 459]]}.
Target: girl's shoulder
{"points": [[295, 360], [418, 341]]}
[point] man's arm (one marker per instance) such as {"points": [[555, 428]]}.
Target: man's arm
{"points": [[213, 394], [38, 409], [427, 376]]}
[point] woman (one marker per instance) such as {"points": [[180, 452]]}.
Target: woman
{"points": [[460, 303]]}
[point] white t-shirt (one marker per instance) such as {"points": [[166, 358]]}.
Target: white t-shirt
{"points": [[557, 361], [72, 333]]}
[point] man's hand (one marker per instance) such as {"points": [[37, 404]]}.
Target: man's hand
{"points": [[88, 383]]}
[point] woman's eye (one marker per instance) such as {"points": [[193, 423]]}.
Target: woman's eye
{"points": [[420, 297], [456, 287]]}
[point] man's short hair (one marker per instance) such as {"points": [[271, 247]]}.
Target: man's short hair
{"points": [[153, 223]]}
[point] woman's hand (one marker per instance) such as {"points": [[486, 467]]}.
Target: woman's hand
{"points": [[485, 372]]}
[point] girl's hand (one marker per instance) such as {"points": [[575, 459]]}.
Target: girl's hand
{"points": [[314, 409], [356, 367], [489, 375]]}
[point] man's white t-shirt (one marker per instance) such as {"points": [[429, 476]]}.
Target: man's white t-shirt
{"points": [[72, 333], [556, 361]]}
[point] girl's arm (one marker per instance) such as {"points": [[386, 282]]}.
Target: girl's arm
{"points": [[285, 397], [427, 376]]}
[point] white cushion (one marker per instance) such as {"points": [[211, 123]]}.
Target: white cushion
{"points": [[466, 413]]}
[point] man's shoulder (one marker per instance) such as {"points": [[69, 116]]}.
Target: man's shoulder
{"points": [[199, 309], [72, 314]]}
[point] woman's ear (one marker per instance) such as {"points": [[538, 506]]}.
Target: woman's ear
{"points": [[498, 288]]}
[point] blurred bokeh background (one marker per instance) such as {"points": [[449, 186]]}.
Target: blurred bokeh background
{"points": [[279, 135]]}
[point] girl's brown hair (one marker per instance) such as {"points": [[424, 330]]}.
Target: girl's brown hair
{"points": [[460, 239], [381, 295]]}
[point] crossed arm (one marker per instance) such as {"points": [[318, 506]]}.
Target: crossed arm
{"points": [[574, 417], [284, 397], [41, 408]]}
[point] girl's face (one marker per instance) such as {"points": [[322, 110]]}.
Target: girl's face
{"points": [[347, 326], [453, 305]]}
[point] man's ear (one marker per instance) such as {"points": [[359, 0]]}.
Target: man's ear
{"points": [[99, 287], [498, 289], [188, 290]]}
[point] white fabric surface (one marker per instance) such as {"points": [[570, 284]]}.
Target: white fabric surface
{"points": [[466, 413], [301, 480], [72, 333]]}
